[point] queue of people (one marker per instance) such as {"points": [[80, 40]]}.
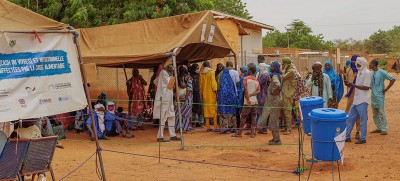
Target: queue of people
{"points": [[259, 97]]}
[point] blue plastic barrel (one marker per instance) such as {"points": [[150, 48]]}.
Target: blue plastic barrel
{"points": [[307, 105], [326, 124]]}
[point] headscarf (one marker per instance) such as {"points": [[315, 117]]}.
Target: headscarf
{"points": [[348, 62], [111, 107], [263, 68], [362, 61], [103, 98], [336, 81], [353, 65], [277, 68], [286, 60], [319, 79], [225, 92]]}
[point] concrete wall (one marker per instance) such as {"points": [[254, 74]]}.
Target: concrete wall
{"points": [[252, 46]]}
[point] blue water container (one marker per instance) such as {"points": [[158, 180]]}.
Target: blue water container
{"points": [[307, 105], [326, 124]]}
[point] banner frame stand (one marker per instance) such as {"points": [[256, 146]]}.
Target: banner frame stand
{"points": [[87, 93]]}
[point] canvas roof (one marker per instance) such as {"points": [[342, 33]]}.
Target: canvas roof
{"points": [[147, 42], [16, 18]]}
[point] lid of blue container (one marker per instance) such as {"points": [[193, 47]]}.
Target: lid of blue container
{"points": [[311, 100], [328, 114]]}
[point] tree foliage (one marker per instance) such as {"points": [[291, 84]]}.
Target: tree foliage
{"points": [[92, 13], [297, 35]]}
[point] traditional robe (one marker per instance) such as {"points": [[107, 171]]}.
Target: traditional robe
{"points": [[166, 108], [208, 89]]}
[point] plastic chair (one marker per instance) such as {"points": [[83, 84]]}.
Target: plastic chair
{"points": [[11, 159], [39, 156], [3, 140]]}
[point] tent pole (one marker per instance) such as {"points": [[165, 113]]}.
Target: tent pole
{"points": [[234, 56], [128, 87], [116, 72], [177, 96], [98, 149]]}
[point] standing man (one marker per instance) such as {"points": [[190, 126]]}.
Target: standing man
{"points": [[362, 96], [320, 84], [288, 88], [378, 96], [351, 76], [208, 90], [164, 103]]}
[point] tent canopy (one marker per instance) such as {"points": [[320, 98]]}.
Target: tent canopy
{"points": [[16, 18], [149, 42]]}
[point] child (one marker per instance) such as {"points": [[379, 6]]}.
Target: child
{"points": [[251, 89], [182, 92]]}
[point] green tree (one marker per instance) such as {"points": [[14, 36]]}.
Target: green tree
{"points": [[92, 13], [233, 7], [380, 42], [297, 35]]}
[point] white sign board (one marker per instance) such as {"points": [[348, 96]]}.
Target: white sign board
{"points": [[39, 76]]}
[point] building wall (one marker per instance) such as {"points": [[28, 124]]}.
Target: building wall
{"points": [[230, 31], [252, 46]]}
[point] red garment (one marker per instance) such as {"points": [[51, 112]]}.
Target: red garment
{"points": [[138, 93]]}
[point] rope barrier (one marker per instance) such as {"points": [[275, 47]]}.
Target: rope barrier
{"points": [[189, 146], [79, 166], [204, 163]]}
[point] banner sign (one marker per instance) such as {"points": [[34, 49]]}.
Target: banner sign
{"points": [[39, 78]]}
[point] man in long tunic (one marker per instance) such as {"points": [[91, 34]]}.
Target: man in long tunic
{"points": [[288, 88], [208, 90], [164, 104], [273, 103], [378, 96]]}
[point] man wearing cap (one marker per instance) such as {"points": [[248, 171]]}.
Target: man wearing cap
{"points": [[164, 103], [288, 88], [362, 96]]}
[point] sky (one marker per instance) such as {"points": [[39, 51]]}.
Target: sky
{"points": [[338, 19]]}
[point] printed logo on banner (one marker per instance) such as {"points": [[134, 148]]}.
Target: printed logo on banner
{"points": [[45, 101], [63, 98], [28, 64], [22, 103], [30, 90], [12, 43], [60, 86], [4, 93]]}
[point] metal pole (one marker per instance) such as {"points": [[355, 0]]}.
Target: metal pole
{"points": [[241, 50], [116, 72], [128, 87], [98, 149], [234, 56], [177, 97]]}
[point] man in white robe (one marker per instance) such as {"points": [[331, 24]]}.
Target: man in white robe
{"points": [[164, 104]]}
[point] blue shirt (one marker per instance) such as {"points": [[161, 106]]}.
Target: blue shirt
{"points": [[377, 87]]}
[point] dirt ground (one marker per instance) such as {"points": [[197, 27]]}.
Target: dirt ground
{"points": [[377, 160]]}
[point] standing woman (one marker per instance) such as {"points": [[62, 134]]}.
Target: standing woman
{"points": [[185, 83], [262, 96], [336, 84], [197, 108]]}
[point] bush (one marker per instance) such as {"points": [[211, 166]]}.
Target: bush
{"points": [[383, 63]]}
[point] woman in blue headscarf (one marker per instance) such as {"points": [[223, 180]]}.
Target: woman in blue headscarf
{"points": [[337, 85], [227, 101]]}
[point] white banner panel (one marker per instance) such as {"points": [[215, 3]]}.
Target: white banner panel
{"points": [[39, 76]]}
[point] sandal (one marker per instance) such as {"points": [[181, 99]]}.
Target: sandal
{"points": [[236, 135]]}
